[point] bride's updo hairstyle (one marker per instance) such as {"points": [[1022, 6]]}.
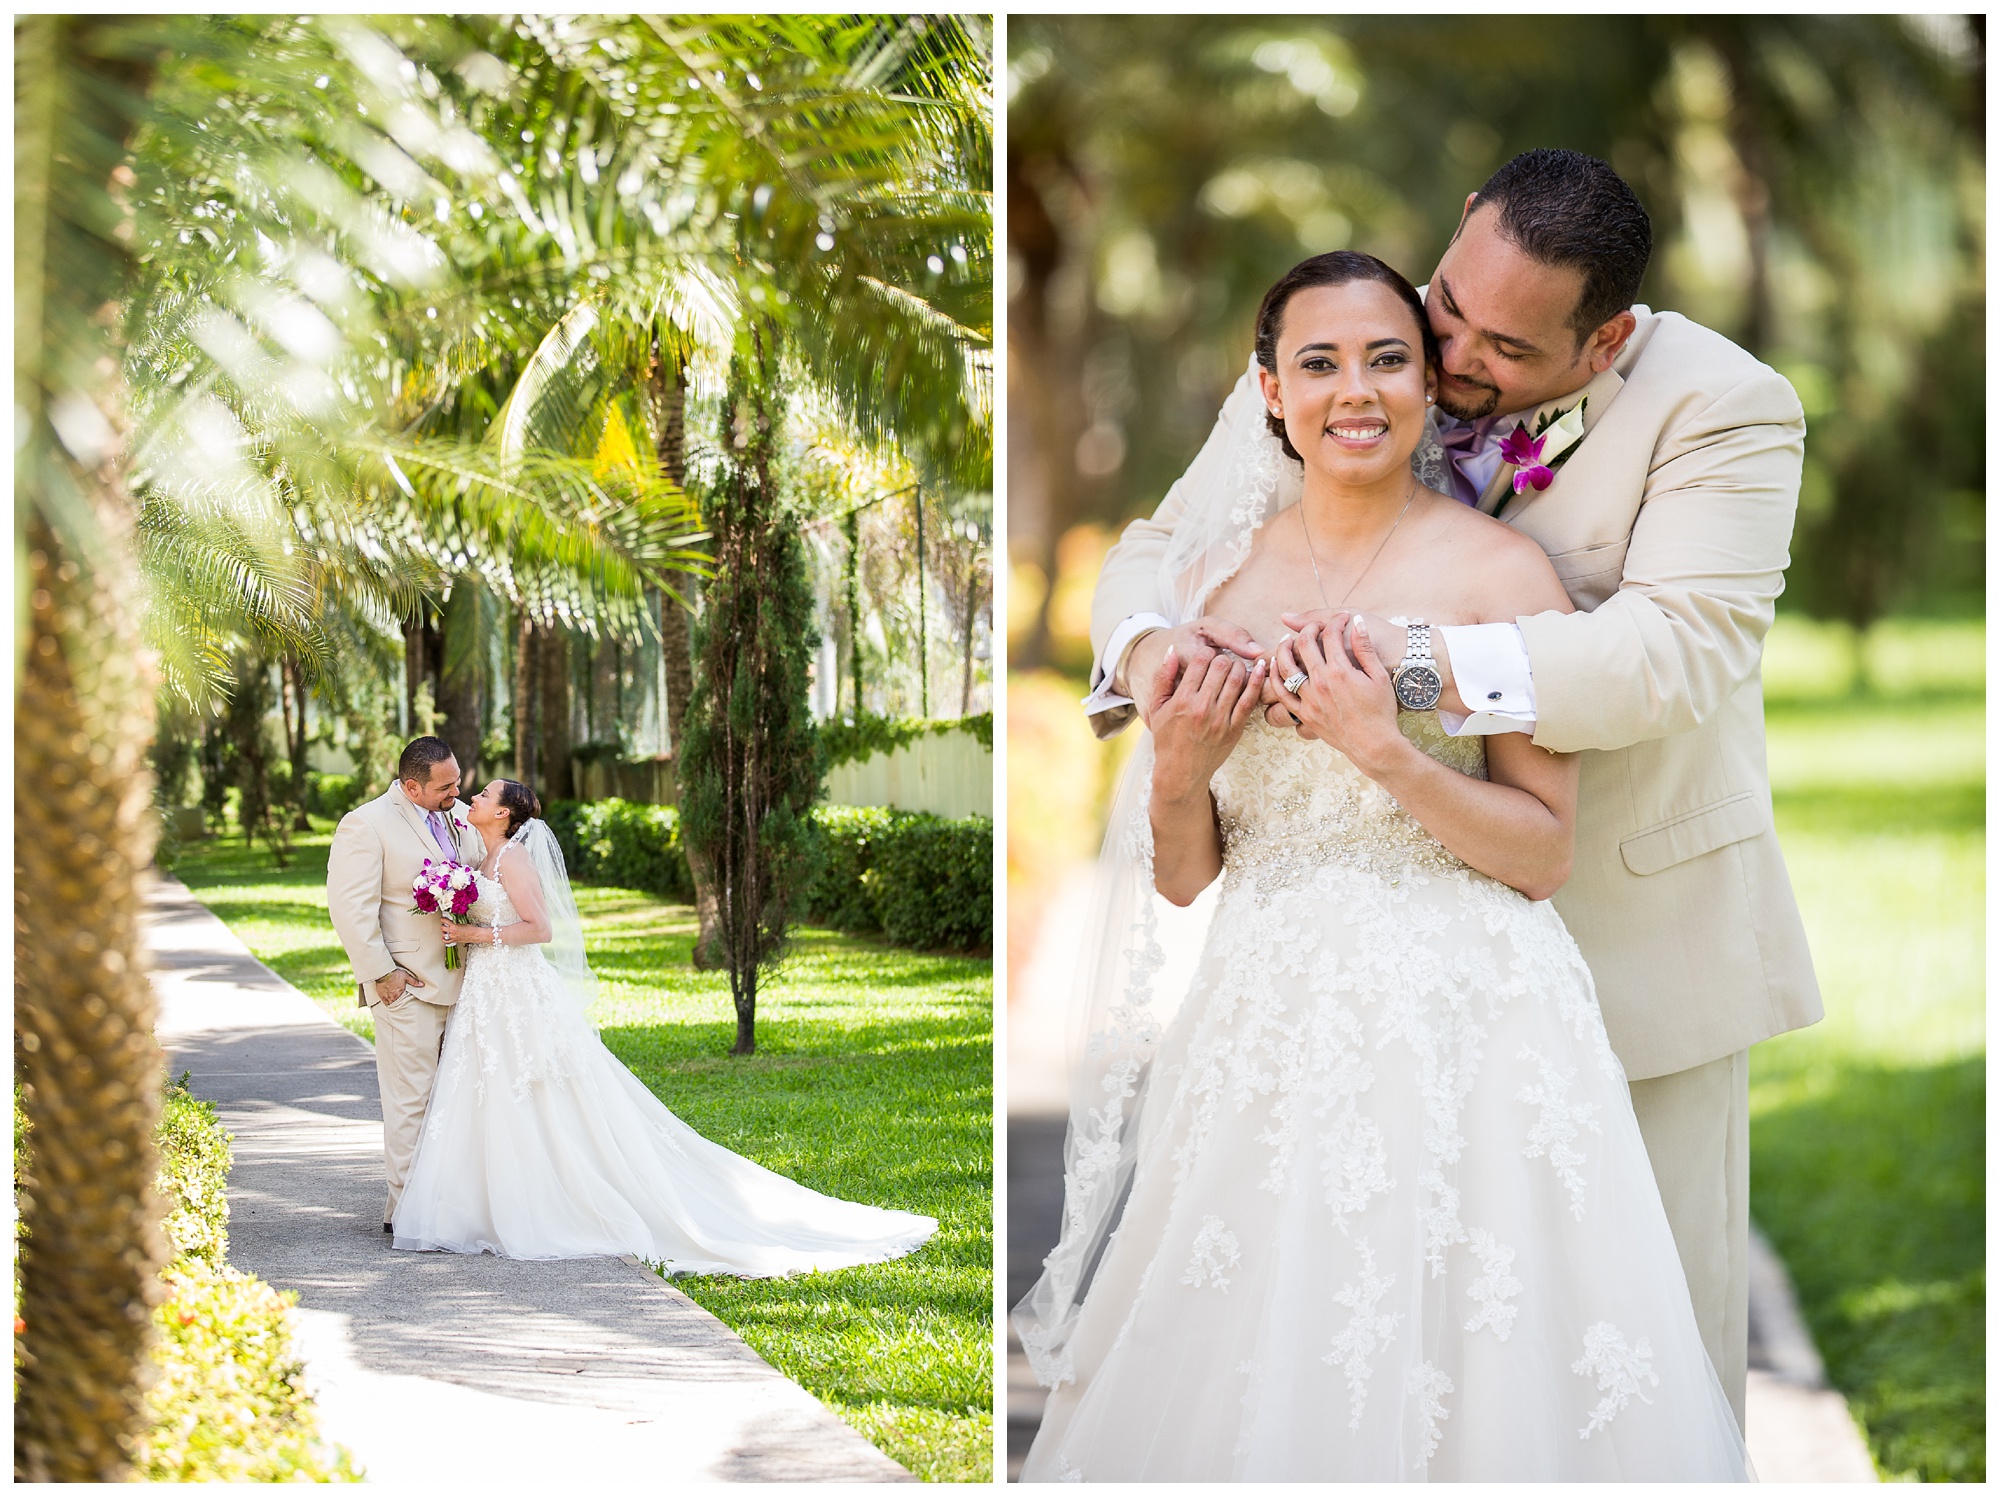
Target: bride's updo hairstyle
{"points": [[520, 803], [1334, 268]]}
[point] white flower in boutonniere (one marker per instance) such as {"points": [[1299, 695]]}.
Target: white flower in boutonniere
{"points": [[1535, 458]]}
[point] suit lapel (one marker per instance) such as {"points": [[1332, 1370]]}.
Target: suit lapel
{"points": [[1500, 499], [414, 819]]}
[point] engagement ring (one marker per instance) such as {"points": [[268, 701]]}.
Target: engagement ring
{"points": [[1294, 681]]}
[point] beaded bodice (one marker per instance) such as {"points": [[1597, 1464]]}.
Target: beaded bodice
{"points": [[1286, 803]]}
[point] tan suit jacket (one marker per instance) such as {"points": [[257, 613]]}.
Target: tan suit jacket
{"points": [[1669, 526], [378, 851]]}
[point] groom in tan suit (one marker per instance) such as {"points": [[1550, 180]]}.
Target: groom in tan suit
{"points": [[1668, 521], [398, 956]]}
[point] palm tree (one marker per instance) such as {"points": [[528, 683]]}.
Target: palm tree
{"points": [[83, 1011], [184, 215], [827, 177]]}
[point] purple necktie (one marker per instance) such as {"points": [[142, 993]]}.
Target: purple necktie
{"points": [[1463, 442], [437, 831]]}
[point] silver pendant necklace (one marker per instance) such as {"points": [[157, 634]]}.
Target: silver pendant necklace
{"points": [[1314, 557]]}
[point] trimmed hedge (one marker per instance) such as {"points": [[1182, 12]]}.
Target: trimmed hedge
{"points": [[622, 842], [919, 880], [332, 795], [229, 1402]]}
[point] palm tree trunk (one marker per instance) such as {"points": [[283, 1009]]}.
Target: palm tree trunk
{"points": [[677, 648], [524, 701], [83, 1022], [86, 1061], [295, 690], [554, 668], [462, 677]]}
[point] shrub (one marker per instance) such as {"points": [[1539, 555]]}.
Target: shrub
{"points": [[626, 843], [933, 883], [844, 894], [228, 1401], [194, 1175], [332, 795], [920, 880]]}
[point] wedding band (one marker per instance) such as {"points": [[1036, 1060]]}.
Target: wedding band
{"points": [[1294, 681]]}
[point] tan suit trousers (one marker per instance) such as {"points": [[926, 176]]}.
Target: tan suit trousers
{"points": [[1697, 1129], [408, 1035]]}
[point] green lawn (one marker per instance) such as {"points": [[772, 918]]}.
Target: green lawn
{"points": [[872, 1081], [1868, 1130]]}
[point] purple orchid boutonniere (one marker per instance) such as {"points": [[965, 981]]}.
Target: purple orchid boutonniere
{"points": [[1535, 458]]}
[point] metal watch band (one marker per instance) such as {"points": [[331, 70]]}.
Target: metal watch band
{"points": [[1417, 649]]}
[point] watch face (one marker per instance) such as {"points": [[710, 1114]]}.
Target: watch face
{"points": [[1418, 688]]}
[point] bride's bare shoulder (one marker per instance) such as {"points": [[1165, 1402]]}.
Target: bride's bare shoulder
{"points": [[1501, 571]]}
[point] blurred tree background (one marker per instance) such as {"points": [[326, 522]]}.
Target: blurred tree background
{"points": [[1817, 189]]}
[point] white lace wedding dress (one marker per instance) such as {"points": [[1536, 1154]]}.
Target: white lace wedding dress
{"points": [[1392, 1217], [538, 1143]]}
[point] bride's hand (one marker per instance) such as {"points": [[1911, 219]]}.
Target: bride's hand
{"points": [[464, 935], [1196, 714], [1349, 704]]}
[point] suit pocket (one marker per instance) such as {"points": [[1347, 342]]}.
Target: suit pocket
{"points": [[1691, 835], [397, 948], [1591, 561]]}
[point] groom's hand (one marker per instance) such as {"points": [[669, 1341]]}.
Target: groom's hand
{"points": [[399, 981], [1193, 644]]}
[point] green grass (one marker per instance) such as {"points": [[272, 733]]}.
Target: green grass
{"points": [[872, 1081], [1868, 1130]]}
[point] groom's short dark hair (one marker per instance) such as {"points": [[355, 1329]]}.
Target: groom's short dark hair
{"points": [[419, 754], [1566, 208]]}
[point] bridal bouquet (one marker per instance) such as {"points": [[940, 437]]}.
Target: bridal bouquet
{"points": [[441, 887]]}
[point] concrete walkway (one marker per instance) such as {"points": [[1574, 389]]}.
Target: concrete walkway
{"points": [[438, 1367]]}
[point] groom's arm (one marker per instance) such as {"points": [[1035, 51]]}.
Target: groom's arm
{"points": [[354, 897], [1686, 628]]}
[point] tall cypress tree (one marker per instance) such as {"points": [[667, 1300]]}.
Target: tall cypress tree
{"points": [[753, 761]]}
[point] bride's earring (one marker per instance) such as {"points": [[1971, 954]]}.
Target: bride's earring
{"points": [[1430, 400]]}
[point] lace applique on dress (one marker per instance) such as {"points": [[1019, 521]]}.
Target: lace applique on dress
{"points": [[1618, 1368], [1367, 1332], [1215, 1249]]}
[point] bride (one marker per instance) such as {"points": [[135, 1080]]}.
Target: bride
{"points": [[1381, 1207], [538, 1144]]}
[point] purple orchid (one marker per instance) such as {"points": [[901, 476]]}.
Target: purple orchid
{"points": [[1524, 453]]}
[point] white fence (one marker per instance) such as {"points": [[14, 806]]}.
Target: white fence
{"points": [[947, 774]]}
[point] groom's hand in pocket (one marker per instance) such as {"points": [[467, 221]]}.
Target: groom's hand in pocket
{"points": [[399, 981]]}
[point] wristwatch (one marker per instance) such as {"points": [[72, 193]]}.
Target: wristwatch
{"points": [[1417, 682]]}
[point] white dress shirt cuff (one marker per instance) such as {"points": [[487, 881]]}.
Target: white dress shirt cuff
{"points": [[1104, 694], [1489, 664]]}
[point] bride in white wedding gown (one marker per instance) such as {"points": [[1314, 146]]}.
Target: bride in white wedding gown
{"points": [[1373, 1204], [538, 1143]]}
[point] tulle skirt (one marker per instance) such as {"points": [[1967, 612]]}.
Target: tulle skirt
{"points": [[1392, 1217], [538, 1143]]}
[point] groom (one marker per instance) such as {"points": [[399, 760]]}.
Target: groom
{"points": [[1668, 520], [399, 957]]}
